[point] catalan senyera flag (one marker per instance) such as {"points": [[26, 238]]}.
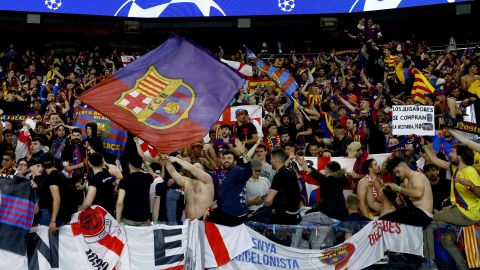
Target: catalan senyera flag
{"points": [[281, 77], [475, 88], [169, 97], [421, 86]]}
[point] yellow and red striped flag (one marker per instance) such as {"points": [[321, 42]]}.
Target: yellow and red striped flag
{"points": [[421, 86]]}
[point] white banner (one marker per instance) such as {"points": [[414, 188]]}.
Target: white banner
{"points": [[363, 249], [189, 247], [413, 119]]}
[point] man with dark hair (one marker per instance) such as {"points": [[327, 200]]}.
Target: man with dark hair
{"points": [[415, 185], [283, 199], [6, 140], [368, 189], [232, 196], [8, 162], [332, 201], [440, 186], [340, 143], [353, 131], [226, 141], [101, 188], [36, 147], [314, 149], [465, 208], [74, 153], [267, 170], [133, 202], [54, 195]]}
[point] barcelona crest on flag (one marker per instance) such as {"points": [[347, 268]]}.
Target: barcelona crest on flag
{"points": [[158, 101]]}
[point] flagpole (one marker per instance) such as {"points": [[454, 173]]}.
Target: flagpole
{"points": [[300, 107]]}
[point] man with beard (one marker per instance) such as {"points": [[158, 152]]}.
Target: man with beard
{"points": [[226, 141], [415, 185], [440, 186], [232, 197], [74, 153], [465, 208], [368, 189]]}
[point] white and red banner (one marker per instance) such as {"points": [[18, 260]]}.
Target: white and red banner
{"points": [[101, 238], [242, 68], [196, 245], [23, 144], [365, 248], [147, 149], [254, 112]]}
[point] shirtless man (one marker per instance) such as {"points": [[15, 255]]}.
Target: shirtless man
{"points": [[415, 185], [199, 189], [471, 76], [368, 189]]}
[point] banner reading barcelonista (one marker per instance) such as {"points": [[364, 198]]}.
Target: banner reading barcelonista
{"points": [[363, 249], [413, 119]]}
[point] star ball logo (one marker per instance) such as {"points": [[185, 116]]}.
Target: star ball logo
{"points": [[135, 10]]}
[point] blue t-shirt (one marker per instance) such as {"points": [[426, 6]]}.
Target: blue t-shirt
{"points": [[232, 198]]}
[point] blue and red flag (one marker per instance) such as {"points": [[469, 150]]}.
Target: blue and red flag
{"points": [[169, 97], [114, 137], [17, 207], [281, 77]]}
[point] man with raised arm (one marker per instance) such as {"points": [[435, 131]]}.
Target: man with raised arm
{"points": [[198, 188]]}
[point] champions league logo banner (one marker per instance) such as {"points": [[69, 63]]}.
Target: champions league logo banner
{"points": [[209, 8]]}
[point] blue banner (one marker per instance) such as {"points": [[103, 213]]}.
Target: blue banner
{"points": [[208, 8]]}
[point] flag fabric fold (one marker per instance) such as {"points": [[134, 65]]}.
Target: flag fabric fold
{"points": [[421, 86], [281, 77], [169, 97]]}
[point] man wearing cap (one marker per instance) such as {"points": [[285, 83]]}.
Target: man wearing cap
{"points": [[283, 198], [354, 150], [257, 187], [245, 131], [199, 189]]}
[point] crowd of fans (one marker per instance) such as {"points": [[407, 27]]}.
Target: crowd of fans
{"points": [[250, 172]]}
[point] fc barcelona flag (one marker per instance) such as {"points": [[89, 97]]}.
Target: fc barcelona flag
{"points": [[17, 207], [281, 77], [114, 137], [169, 97]]}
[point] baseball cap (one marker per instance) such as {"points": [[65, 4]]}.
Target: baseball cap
{"points": [[240, 112]]}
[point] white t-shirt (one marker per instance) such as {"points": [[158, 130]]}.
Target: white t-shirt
{"points": [[257, 188], [152, 190]]}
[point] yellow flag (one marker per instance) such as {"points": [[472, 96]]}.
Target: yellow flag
{"points": [[475, 88]]}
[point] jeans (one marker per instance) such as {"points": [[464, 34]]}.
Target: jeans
{"points": [[172, 199], [44, 218]]}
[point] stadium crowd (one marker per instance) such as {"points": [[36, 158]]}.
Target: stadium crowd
{"points": [[342, 108]]}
